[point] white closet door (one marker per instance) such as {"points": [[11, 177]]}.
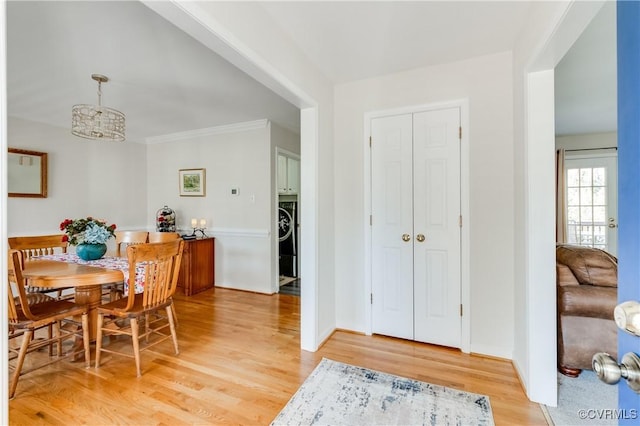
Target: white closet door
{"points": [[436, 215], [392, 212]]}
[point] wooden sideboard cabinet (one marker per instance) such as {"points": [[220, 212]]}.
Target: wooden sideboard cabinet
{"points": [[197, 270]]}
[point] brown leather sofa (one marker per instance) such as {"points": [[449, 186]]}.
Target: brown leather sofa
{"points": [[587, 287]]}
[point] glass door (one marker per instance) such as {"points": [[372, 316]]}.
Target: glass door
{"points": [[592, 190]]}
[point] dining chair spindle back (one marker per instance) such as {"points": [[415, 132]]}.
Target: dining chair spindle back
{"points": [[127, 238], [40, 245]]}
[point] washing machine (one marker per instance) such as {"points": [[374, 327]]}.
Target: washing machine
{"points": [[287, 234]]}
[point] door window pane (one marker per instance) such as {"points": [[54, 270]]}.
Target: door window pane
{"points": [[599, 176], [573, 179], [599, 196]]}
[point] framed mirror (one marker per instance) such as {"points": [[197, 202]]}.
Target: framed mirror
{"points": [[27, 173]]}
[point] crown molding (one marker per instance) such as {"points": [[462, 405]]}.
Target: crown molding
{"points": [[209, 131]]}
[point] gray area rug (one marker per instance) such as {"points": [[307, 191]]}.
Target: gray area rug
{"points": [[342, 394], [583, 400]]}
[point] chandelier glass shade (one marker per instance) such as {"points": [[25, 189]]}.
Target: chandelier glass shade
{"points": [[97, 121]]}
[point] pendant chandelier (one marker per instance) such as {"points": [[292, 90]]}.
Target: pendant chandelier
{"points": [[97, 121]]}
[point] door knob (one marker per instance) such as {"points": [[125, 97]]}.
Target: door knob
{"points": [[420, 238], [627, 317], [612, 223], [608, 370], [406, 237]]}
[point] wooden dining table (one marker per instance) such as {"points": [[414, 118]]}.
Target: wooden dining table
{"points": [[87, 281]]}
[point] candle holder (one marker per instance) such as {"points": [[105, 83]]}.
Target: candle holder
{"points": [[201, 230]]}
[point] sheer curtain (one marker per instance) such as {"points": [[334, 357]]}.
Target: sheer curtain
{"points": [[561, 201]]}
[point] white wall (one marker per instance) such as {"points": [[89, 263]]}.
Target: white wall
{"points": [[486, 83], [285, 139], [241, 224], [107, 180]]}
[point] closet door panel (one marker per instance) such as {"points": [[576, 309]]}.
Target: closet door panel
{"points": [[392, 217], [436, 183]]}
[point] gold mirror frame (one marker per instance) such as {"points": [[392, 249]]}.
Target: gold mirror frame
{"points": [[34, 180]]}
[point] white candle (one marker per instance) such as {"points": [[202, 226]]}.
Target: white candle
{"points": [[203, 223], [194, 223]]}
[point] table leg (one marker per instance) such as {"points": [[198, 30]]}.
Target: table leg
{"points": [[90, 295]]}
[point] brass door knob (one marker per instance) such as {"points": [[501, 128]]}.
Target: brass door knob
{"points": [[420, 238], [406, 237]]}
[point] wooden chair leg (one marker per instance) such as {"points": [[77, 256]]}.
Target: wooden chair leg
{"points": [[115, 293], [23, 352], [50, 335], [85, 339], [172, 326], [136, 344], [175, 317], [99, 339], [56, 328], [146, 327]]}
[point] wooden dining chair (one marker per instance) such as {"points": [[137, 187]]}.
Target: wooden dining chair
{"points": [[40, 245], [27, 317], [157, 266], [161, 237], [123, 240]]}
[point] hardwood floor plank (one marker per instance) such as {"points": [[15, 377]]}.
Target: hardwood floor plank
{"points": [[239, 363]]}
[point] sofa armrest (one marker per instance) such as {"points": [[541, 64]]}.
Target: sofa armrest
{"points": [[587, 301], [564, 276]]}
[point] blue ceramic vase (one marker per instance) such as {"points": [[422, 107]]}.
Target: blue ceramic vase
{"points": [[91, 251]]}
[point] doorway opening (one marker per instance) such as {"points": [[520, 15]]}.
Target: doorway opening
{"points": [[288, 221]]}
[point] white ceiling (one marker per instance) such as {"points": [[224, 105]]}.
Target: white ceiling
{"points": [[166, 82], [355, 40], [585, 79]]}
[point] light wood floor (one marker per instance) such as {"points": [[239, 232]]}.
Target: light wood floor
{"points": [[240, 363]]}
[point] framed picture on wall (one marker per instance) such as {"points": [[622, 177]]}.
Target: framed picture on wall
{"points": [[192, 182]]}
